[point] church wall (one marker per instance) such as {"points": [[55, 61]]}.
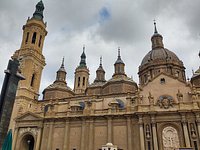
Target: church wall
{"points": [[170, 86], [100, 136], [58, 136], [75, 136], [120, 136], [135, 136]]}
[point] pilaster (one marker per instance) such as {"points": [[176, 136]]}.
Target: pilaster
{"points": [[140, 122], [38, 141], [66, 136], [49, 142]]}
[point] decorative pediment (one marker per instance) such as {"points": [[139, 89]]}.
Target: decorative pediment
{"points": [[28, 116], [161, 77]]}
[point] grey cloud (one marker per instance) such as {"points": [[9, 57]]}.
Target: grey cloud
{"points": [[72, 23]]}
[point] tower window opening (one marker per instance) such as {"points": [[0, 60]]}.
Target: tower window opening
{"points": [[83, 81], [27, 36], [79, 79], [145, 78], [177, 74], [34, 37], [162, 81], [32, 80], [40, 40]]}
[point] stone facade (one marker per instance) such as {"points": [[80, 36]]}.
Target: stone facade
{"points": [[161, 113]]}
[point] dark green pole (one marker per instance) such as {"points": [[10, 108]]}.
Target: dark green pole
{"points": [[7, 99]]}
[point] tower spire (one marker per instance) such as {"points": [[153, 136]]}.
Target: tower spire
{"points": [[119, 65], [119, 60], [61, 73], [100, 73], [156, 39], [83, 58], [39, 8]]}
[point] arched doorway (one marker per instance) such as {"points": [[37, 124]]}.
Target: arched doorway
{"points": [[27, 142]]}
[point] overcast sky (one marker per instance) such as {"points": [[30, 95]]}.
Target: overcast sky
{"points": [[103, 26]]}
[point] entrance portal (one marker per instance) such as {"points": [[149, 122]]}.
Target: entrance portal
{"points": [[27, 142]]}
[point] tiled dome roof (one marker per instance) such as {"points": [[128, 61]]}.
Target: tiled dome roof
{"points": [[161, 54]]}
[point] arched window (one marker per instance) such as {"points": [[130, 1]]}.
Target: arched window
{"points": [[40, 40], [32, 80], [34, 37], [27, 36], [162, 81]]}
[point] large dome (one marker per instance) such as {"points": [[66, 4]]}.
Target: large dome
{"points": [[160, 54], [160, 60]]}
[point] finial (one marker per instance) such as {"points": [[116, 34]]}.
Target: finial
{"points": [[101, 61], [118, 51], [155, 29], [83, 47], [63, 61]]}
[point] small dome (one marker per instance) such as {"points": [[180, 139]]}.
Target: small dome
{"points": [[109, 144], [160, 54]]}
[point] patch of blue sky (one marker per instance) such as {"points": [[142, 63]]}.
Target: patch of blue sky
{"points": [[104, 14]]}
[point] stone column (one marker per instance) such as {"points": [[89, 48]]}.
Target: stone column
{"points": [[66, 136], [83, 135], [15, 138], [91, 135], [198, 126], [49, 142], [198, 122], [109, 132], [38, 139], [155, 139], [142, 147], [186, 135], [129, 133], [185, 131]]}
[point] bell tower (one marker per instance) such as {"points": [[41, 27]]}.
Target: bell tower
{"points": [[81, 75], [30, 54]]}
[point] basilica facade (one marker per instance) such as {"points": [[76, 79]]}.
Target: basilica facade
{"points": [[160, 113]]}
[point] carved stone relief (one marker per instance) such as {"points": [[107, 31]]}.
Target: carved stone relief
{"points": [[34, 131], [165, 102], [170, 138]]}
